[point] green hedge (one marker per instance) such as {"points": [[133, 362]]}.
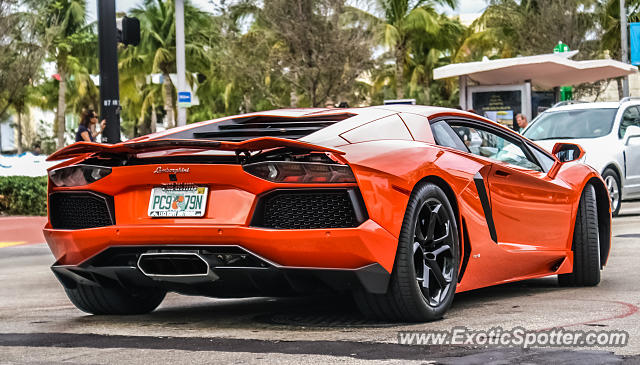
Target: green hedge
{"points": [[23, 195]]}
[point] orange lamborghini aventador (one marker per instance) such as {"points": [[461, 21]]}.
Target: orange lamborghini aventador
{"points": [[401, 205]]}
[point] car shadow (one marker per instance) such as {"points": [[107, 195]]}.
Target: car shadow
{"points": [[317, 312]]}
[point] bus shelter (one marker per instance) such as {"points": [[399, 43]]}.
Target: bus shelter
{"points": [[500, 89]]}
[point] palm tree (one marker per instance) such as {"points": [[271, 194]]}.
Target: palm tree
{"points": [[22, 52], [82, 94], [609, 14], [65, 20], [403, 21], [430, 51], [157, 43]]}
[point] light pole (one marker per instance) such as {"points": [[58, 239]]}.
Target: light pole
{"points": [[624, 42], [108, 59], [180, 60]]}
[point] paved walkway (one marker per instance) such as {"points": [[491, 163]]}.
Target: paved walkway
{"points": [[21, 230]]}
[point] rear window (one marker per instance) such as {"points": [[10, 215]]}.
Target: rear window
{"points": [[391, 127]]}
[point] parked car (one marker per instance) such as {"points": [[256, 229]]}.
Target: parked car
{"points": [[389, 203], [609, 133]]}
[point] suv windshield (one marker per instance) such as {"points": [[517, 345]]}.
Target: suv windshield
{"points": [[568, 124]]}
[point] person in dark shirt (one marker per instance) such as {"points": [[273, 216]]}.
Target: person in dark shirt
{"points": [[85, 132]]}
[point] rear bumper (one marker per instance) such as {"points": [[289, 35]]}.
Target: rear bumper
{"points": [[115, 267], [336, 248]]}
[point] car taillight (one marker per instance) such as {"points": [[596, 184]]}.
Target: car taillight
{"points": [[301, 172], [78, 175]]}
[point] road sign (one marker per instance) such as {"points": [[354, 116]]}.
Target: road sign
{"points": [[184, 99], [561, 48], [634, 37], [566, 92]]}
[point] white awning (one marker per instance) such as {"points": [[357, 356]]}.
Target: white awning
{"points": [[546, 71]]}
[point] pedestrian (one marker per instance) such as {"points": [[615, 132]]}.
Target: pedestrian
{"points": [[86, 130], [522, 122]]}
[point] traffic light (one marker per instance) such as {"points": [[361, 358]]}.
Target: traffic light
{"points": [[130, 32]]}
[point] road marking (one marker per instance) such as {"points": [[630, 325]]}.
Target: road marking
{"points": [[14, 243]]}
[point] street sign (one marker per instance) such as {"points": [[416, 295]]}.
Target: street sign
{"points": [[566, 92], [634, 38], [184, 99], [561, 48]]}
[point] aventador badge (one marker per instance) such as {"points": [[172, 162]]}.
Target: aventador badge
{"points": [[168, 170]]}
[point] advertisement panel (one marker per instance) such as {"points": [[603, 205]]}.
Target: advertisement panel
{"points": [[501, 103]]}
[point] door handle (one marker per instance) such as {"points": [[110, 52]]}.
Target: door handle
{"points": [[502, 173]]}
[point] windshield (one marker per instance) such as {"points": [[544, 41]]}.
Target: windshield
{"points": [[569, 124]]}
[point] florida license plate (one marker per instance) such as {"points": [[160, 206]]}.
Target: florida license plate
{"points": [[189, 201]]}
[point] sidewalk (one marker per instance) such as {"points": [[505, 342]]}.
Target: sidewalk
{"points": [[21, 230]]}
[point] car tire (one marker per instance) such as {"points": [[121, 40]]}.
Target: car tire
{"points": [[586, 244], [612, 182], [99, 300], [429, 234]]}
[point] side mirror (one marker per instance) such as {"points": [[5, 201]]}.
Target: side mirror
{"points": [[567, 152], [633, 131], [564, 152]]}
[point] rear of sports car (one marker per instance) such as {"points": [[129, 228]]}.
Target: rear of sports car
{"points": [[245, 217]]}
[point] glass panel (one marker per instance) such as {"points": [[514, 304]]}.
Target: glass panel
{"points": [[630, 117], [487, 144], [445, 136], [569, 124]]}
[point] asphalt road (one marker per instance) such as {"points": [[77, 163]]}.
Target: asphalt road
{"points": [[39, 325]]}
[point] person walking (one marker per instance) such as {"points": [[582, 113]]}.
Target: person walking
{"points": [[522, 122], [86, 130]]}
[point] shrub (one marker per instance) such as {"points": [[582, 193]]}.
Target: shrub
{"points": [[23, 195]]}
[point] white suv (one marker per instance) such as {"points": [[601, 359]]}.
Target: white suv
{"points": [[608, 132]]}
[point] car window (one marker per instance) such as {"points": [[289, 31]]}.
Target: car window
{"points": [[569, 124], [486, 143], [544, 159], [631, 116], [391, 127], [445, 136]]}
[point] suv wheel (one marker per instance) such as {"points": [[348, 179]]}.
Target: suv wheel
{"points": [[612, 181]]}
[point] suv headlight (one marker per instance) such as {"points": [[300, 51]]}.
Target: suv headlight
{"points": [[78, 175]]}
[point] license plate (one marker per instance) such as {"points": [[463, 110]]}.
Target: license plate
{"points": [[178, 201]]}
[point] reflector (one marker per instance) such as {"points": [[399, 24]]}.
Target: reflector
{"points": [[301, 172], [78, 175]]}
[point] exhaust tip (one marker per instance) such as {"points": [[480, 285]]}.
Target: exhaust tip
{"points": [[176, 264]]}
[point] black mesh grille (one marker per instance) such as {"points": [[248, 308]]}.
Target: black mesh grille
{"points": [[306, 210], [80, 210]]}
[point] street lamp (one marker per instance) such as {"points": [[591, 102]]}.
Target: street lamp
{"points": [[108, 38]]}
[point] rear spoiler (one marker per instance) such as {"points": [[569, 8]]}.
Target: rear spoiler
{"points": [[256, 144]]}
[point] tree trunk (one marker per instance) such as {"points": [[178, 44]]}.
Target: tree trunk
{"points": [[427, 91], [620, 91], [246, 101], [167, 87], [142, 126], [19, 144], [400, 71], [62, 105], [154, 118]]}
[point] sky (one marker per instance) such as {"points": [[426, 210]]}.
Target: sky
{"points": [[464, 6]]}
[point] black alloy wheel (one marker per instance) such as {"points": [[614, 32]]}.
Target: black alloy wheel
{"points": [[425, 272], [433, 259]]}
